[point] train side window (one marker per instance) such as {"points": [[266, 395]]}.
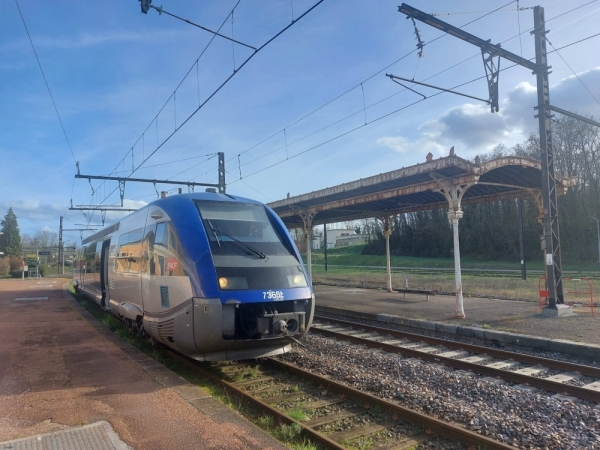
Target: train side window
{"points": [[161, 237], [172, 239], [97, 258], [136, 236], [90, 256]]}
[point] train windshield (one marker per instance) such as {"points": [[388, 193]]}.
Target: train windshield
{"points": [[247, 250]]}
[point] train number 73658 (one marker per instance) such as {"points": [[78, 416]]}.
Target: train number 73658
{"points": [[273, 295]]}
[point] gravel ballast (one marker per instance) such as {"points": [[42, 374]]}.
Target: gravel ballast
{"points": [[531, 420]]}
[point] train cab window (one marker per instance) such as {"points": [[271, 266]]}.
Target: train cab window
{"points": [[247, 250], [228, 223]]}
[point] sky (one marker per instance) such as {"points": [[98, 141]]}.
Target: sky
{"points": [[311, 109]]}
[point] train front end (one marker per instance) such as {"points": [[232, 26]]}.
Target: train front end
{"points": [[256, 298]]}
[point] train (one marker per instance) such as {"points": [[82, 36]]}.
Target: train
{"points": [[211, 275]]}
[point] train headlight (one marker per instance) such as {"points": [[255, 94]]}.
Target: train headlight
{"points": [[297, 280], [233, 283]]}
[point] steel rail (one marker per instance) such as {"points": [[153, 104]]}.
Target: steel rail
{"points": [[448, 430], [552, 386], [471, 348], [257, 403]]}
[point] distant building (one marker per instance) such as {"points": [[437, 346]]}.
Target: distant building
{"points": [[342, 238], [352, 239]]}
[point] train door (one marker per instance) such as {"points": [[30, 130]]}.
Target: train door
{"points": [[104, 284]]}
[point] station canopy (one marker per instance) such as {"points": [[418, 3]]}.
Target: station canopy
{"points": [[418, 188]]}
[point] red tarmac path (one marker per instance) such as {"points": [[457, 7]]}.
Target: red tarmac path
{"points": [[60, 368]]}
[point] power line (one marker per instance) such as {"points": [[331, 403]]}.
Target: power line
{"points": [[364, 81], [349, 90], [45, 81], [220, 86], [576, 42], [375, 120], [155, 120], [195, 165], [167, 163], [576, 76], [228, 79], [387, 98]]}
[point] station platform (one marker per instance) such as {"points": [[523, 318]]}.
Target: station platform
{"points": [[65, 375], [502, 316]]}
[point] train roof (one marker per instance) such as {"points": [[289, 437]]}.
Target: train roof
{"points": [[205, 196]]}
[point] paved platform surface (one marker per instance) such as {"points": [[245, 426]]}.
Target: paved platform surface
{"points": [[96, 436], [60, 368], [504, 315]]}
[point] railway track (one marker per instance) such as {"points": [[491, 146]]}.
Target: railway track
{"points": [[562, 378], [335, 415]]}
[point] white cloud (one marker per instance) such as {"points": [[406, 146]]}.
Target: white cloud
{"points": [[396, 143], [89, 40]]}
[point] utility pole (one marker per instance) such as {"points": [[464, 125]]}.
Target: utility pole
{"points": [[521, 243], [60, 246], [540, 68], [553, 257]]}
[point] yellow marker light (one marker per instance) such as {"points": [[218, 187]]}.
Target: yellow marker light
{"points": [[223, 282], [298, 279]]}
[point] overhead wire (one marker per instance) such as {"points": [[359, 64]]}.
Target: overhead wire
{"points": [[179, 85], [46, 81], [221, 85], [361, 83], [349, 90], [194, 166], [576, 76], [387, 98], [377, 119], [155, 120], [356, 112], [355, 87], [230, 77], [166, 163]]}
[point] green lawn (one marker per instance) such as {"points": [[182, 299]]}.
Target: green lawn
{"points": [[347, 267], [351, 256]]}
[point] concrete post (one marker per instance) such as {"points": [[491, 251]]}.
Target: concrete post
{"points": [[454, 194], [308, 240], [387, 233], [307, 218], [454, 217]]}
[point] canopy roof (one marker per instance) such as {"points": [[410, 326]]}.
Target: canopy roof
{"points": [[416, 188]]}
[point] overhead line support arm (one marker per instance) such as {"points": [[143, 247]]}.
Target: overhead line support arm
{"points": [[564, 112], [491, 53], [144, 180], [487, 46]]}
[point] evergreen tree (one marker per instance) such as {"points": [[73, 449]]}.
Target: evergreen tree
{"points": [[10, 241]]}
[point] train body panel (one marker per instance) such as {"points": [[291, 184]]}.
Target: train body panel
{"points": [[211, 275]]}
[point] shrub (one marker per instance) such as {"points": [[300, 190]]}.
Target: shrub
{"points": [[15, 273], [15, 263], [4, 266]]}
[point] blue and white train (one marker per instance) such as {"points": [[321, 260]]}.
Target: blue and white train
{"points": [[214, 276]]}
